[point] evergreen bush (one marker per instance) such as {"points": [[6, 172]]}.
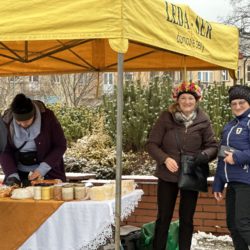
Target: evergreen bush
{"points": [[96, 154], [142, 105], [216, 104], [77, 122]]}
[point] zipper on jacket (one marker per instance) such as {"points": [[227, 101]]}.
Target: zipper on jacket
{"points": [[225, 165], [225, 170]]}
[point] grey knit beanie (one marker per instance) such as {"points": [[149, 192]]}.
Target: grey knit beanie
{"points": [[239, 92]]}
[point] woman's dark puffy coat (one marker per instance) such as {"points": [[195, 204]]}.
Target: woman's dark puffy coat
{"points": [[198, 137]]}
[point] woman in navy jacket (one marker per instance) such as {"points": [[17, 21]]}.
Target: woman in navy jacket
{"points": [[36, 143], [233, 168]]}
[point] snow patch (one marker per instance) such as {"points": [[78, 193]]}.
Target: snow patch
{"points": [[208, 241]]}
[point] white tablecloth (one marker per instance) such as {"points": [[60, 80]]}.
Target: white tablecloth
{"points": [[80, 224]]}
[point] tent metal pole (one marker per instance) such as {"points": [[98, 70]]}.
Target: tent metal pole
{"points": [[98, 85], [118, 150], [185, 69]]}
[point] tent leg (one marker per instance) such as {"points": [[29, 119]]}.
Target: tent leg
{"points": [[184, 69], [98, 85], [119, 150]]}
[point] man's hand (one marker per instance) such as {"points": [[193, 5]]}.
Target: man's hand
{"points": [[171, 165], [218, 196]]}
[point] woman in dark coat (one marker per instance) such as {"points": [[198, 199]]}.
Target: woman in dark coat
{"points": [[196, 138], [36, 143]]}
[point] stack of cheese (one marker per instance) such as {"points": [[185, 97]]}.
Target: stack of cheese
{"points": [[128, 186], [107, 191], [101, 193], [23, 193]]}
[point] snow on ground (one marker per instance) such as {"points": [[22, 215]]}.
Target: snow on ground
{"points": [[200, 241], [204, 241]]}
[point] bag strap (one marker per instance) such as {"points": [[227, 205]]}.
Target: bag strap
{"points": [[178, 141], [18, 149]]}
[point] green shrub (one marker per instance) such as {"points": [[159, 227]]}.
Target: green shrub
{"points": [[216, 104], [96, 154], [142, 105], [77, 122]]}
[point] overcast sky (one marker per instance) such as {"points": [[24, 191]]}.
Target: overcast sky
{"points": [[210, 10]]}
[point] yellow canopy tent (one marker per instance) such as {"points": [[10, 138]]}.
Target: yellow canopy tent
{"points": [[59, 36]]}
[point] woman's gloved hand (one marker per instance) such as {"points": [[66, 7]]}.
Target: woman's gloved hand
{"points": [[12, 181], [201, 159]]}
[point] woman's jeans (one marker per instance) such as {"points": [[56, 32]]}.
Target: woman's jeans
{"points": [[238, 214], [166, 197]]}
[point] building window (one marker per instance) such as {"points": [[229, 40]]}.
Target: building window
{"points": [[190, 75], [128, 76], [34, 85], [14, 79], [248, 73], [205, 76], [33, 78], [108, 83], [178, 77], [238, 73], [108, 78], [224, 75], [83, 78]]}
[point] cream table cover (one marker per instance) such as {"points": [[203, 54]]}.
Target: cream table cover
{"points": [[80, 224]]}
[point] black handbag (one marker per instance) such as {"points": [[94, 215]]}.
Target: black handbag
{"points": [[192, 177], [26, 158]]}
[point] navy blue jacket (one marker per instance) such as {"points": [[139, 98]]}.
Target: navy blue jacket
{"points": [[237, 135]]}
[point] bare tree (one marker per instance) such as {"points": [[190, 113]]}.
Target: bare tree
{"points": [[9, 87], [71, 89], [241, 18]]}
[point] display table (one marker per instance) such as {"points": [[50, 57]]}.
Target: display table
{"points": [[80, 224], [20, 218]]}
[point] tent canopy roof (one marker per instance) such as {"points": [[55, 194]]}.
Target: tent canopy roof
{"points": [[38, 37]]}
